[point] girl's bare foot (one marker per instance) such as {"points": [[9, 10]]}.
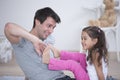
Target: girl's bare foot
{"points": [[55, 51], [46, 56]]}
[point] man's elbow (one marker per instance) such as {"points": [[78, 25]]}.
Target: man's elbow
{"points": [[7, 27]]}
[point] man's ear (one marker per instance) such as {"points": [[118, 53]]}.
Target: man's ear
{"points": [[95, 40], [37, 22]]}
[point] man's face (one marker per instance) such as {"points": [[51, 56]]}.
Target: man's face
{"points": [[46, 28]]}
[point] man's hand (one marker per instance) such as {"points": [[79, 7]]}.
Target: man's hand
{"points": [[39, 46]]}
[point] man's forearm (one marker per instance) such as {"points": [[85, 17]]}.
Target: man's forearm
{"points": [[17, 31]]}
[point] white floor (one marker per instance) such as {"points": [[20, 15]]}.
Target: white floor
{"points": [[11, 70], [11, 78]]}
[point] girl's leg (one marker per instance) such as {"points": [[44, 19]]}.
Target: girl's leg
{"points": [[47, 54], [76, 56], [75, 67]]}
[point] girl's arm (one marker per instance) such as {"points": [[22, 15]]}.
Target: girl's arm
{"points": [[98, 67]]}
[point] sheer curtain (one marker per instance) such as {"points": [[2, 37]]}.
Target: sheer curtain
{"points": [[5, 50]]}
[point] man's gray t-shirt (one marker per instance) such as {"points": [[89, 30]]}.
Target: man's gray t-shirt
{"points": [[31, 63]]}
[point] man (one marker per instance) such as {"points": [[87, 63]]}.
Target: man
{"points": [[28, 46]]}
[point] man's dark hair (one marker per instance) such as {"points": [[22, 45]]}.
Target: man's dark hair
{"points": [[43, 13]]}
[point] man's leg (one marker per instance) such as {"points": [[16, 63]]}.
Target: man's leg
{"points": [[26, 78], [66, 78]]}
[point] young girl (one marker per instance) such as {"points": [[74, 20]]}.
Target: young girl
{"points": [[93, 41]]}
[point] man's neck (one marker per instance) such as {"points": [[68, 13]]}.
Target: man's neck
{"points": [[33, 31]]}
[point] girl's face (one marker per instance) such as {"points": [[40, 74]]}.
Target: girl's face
{"points": [[86, 41]]}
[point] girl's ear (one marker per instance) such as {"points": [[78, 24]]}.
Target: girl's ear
{"points": [[95, 40]]}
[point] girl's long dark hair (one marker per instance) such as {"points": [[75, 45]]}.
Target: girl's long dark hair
{"points": [[100, 47]]}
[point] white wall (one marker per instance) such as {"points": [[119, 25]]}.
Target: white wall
{"points": [[67, 33]]}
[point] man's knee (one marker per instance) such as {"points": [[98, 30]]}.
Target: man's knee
{"points": [[26, 78]]}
